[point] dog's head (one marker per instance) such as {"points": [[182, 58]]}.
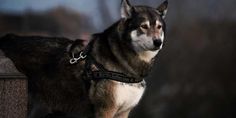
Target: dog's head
{"points": [[144, 25]]}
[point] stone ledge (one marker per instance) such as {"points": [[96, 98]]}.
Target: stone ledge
{"points": [[7, 66], [13, 90]]}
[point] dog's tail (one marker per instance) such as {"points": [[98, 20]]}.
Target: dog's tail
{"points": [[5, 47], [5, 41], [9, 44]]}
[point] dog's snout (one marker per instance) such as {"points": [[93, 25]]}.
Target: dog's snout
{"points": [[157, 42]]}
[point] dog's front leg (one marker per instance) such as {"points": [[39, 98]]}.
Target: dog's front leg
{"points": [[124, 114], [103, 99], [105, 113]]}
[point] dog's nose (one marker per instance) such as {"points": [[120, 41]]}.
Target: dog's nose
{"points": [[157, 42]]}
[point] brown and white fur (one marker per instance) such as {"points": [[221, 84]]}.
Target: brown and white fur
{"points": [[58, 88]]}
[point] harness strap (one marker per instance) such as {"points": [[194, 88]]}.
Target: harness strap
{"points": [[98, 75], [101, 73]]}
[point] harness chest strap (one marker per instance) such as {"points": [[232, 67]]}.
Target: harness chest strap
{"points": [[98, 75], [103, 73]]}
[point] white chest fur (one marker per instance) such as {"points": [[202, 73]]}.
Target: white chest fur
{"points": [[128, 95]]}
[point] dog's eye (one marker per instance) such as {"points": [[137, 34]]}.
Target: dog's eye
{"points": [[159, 27], [144, 26]]}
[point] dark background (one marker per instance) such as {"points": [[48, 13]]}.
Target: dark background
{"points": [[195, 73]]}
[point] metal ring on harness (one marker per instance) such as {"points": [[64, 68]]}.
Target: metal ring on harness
{"points": [[75, 60]]}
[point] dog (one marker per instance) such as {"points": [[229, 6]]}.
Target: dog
{"points": [[104, 79]]}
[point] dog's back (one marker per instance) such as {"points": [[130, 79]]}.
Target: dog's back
{"points": [[39, 52]]}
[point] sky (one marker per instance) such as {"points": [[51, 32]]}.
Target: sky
{"points": [[210, 9], [87, 7], [22, 5]]}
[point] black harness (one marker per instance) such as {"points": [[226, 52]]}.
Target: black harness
{"points": [[101, 73]]}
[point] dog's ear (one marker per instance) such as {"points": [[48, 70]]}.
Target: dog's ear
{"points": [[162, 9], [125, 9]]}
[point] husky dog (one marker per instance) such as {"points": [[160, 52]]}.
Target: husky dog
{"points": [[103, 79]]}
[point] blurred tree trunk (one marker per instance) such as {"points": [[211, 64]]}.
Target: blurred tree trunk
{"points": [[105, 15]]}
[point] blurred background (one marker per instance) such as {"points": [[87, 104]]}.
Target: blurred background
{"points": [[194, 74]]}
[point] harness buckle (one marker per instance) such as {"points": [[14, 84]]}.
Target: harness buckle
{"points": [[74, 60]]}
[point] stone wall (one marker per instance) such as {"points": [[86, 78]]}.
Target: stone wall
{"points": [[13, 91]]}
